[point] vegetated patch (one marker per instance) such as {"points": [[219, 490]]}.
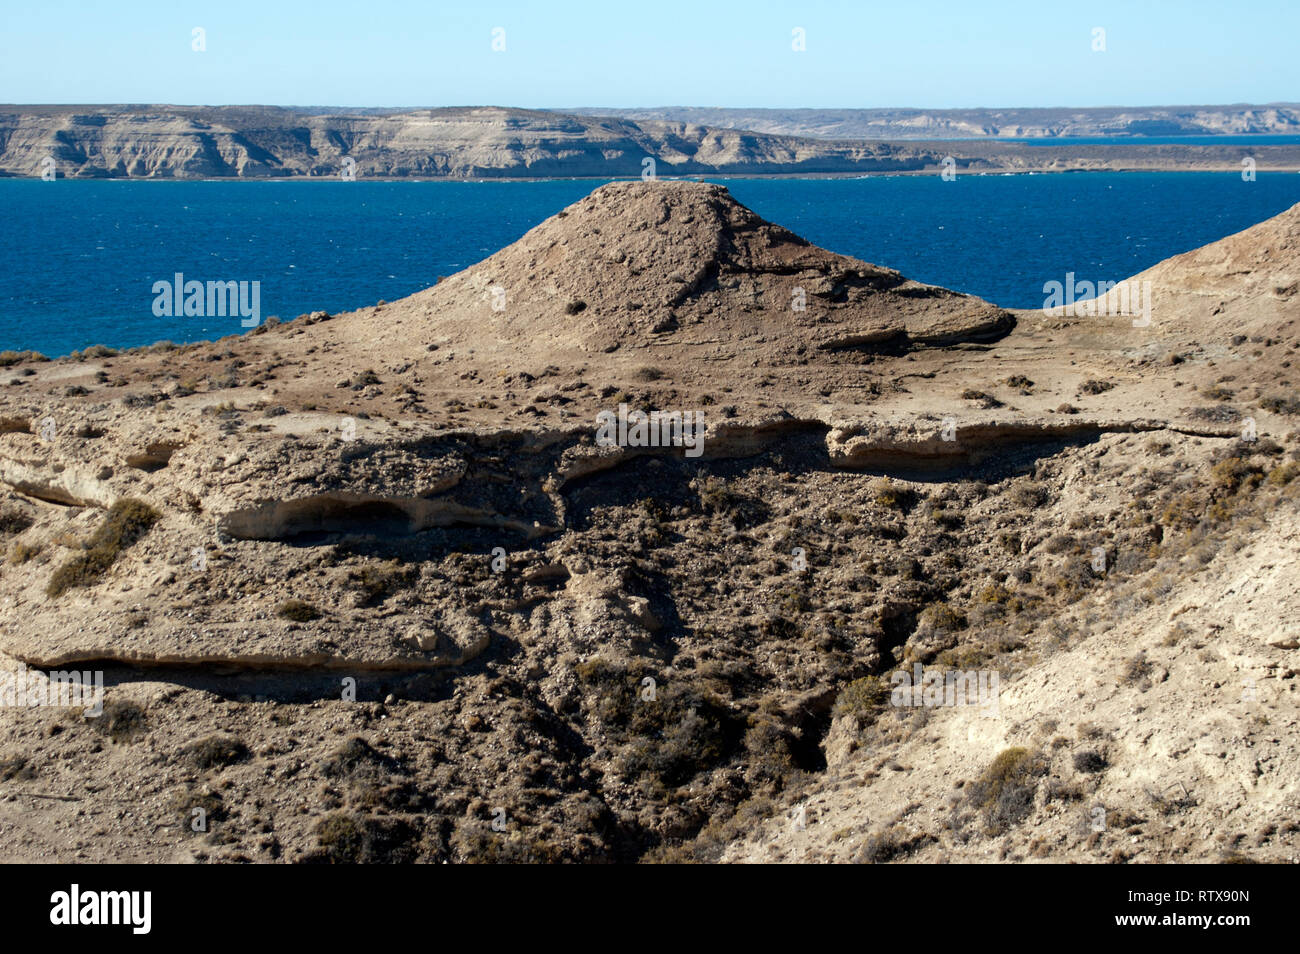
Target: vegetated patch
{"points": [[1136, 670], [719, 833], [371, 779], [1093, 386], [1283, 474], [668, 736], [1217, 392], [376, 583], [941, 618], [211, 807], [1029, 495], [298, 611], [675, 737], [947, 519], [13, 521], [349, 838], [357, 756], [987, 401], [1005, 792], [1234, 473], [862, 699], [121, 721], [217, 751], [891, 844], [719, 497], [21, 552], [126, 522], [9, 358], [890, 495], [15, 768], [1280, 403], [1215, 415], [1173, 800], [1090, 761], [474, 843], [364, 379]]}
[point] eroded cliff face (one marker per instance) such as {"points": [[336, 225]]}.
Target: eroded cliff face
{"points": [[358, 584], [192, 142], [1044, 123], [260, 142]]}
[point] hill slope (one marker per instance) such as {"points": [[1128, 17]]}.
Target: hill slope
{"points": [[361, 586]]}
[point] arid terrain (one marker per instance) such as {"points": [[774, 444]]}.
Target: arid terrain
{"points": [[564, 650], [266, 142]]}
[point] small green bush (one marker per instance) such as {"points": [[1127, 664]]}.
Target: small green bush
{"points": [[1029, 495], [217, 751], [1283, 474], [1005, 792], [1281, 404], [121, 721], [1090, 761], [1136, 669], [126, 522], [941, 618], [862, 699], [890, 495], [348, 839], [20, 553], [1232, 474], [15, 521]]}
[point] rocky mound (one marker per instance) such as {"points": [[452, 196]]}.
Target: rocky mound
{"points": [[663, 261]]}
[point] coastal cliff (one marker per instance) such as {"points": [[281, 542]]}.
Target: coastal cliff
{"points": [[259, 142]]}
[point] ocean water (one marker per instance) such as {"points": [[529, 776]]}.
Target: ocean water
{"points": [[79, 259], [1245, 139]]}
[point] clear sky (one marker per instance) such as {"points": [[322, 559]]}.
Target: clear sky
{"points": [[651, 53]]}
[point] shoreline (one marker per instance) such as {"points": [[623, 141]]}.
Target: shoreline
{"points": [[687, 177]]}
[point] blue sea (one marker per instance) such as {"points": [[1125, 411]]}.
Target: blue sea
{"points": [[78, 259]]}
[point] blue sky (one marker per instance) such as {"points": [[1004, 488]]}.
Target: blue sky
{"points": [[627, 53]]}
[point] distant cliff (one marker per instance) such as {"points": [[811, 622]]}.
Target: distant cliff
{"points": [[192, 142], [259, 142], [894, 124]]}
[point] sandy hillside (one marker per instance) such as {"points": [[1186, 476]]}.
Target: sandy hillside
{"points": [[563, 650]]}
